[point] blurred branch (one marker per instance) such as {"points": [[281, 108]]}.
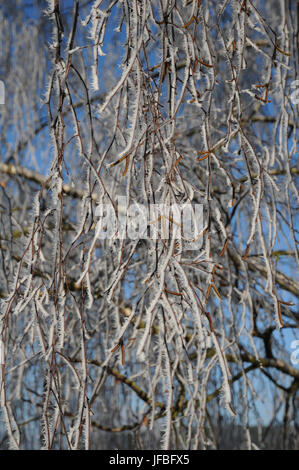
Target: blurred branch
{"points": [[284, 281]]}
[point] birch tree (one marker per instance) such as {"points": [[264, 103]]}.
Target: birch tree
{"points": [[115, 328]]}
